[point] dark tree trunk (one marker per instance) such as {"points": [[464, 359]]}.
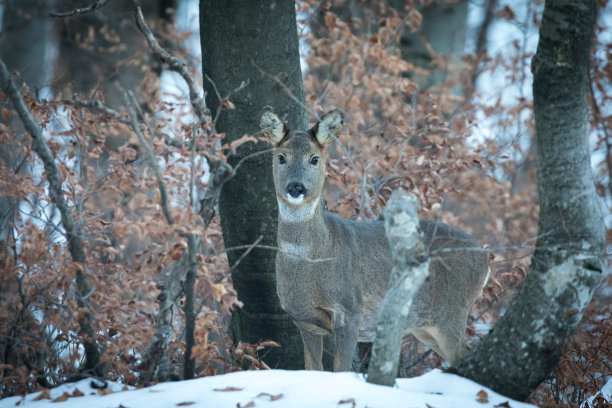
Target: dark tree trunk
{"points": [[246, 41], [444, 28], [566, 267]]}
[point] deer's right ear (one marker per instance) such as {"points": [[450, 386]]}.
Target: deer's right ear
{"points": [[272, 126]]}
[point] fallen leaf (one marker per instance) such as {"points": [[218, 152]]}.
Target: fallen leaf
{"points": [[482, 397], [104, 391], [348, 401], [62, 398], [503, 405], [249, 405], [228, 389], [77, 393], [183, 404], [42, 395], [272, 397]]}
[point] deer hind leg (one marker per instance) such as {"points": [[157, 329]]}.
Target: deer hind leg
{"points": [[446, 340]]}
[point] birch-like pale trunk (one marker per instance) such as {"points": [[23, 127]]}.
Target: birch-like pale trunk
{"points": [[410, 269]]}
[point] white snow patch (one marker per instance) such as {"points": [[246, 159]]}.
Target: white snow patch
{"points": [[295, 389], [606, 392]]}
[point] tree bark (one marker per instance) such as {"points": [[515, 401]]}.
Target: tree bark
{"points": [[407, 276], [444, 29], [255, 43], [566, 267]]}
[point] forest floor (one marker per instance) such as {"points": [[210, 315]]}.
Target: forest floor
{"points": [[274, 389]]}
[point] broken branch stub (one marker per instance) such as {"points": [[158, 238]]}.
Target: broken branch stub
{"points": [[410, 269]]}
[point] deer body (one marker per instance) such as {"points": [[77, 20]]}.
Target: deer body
{"points": [[332, 273]]}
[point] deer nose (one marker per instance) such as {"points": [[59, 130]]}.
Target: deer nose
{"points": [[296, 189]]}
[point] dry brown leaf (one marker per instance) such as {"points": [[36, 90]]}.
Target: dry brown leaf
{"points": [[348, 401], [229, 388], [184, 404], [77, 393], [268, 343], [104, 391], [249, 405], [272, 397], [503, 405], [62, 398], [482, 397], [42, 395], [330, 21]]}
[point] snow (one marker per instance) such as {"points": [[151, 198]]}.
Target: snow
{"points": [[278, 389], [606, 392]]}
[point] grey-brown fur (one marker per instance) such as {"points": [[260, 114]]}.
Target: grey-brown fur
{"points": [[332, 273]]}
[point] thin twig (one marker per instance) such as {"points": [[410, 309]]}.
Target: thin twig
{"points": [[130, 103], [599, 121], [93, 104], [235, 265], [73, 230], [174, 64], [95, 6]]}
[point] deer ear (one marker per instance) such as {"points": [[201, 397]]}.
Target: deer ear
{"points": [[272, 126], [329, 127]]}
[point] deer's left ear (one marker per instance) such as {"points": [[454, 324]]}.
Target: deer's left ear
{"points": [[272, 126], [329, 127]]}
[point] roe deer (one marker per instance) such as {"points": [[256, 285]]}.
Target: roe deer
{"points": [[332, 273]]}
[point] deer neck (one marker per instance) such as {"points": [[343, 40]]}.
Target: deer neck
{"points": [[301, 229]]}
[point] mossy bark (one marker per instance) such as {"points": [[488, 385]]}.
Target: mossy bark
{"points": [[255, 43], [566, 267]]}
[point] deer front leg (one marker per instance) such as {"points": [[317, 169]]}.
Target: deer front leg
{"points": [[346, 334], [313, 349]]}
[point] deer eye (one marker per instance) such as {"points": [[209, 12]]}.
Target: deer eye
{"points": [[281, 159], [314, 160]]}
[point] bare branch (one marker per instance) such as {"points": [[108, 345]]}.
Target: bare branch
{"points": [[174, 64], [95, 6], [235, 265], [600, 122], [131, 103], [93, 104], [74, 234]]}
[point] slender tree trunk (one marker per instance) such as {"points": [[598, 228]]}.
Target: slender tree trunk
{"points": [[410, 270], [444, 29], [567, 264], [188, 309], [255, 43]]}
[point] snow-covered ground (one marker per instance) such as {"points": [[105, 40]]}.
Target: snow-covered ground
{"points": [[276, 389]]}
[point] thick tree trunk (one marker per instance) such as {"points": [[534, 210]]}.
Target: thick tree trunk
{"points": [[567, 264], [252, 42]]}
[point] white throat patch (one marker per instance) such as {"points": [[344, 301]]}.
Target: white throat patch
{"points": [[296, 213]]}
